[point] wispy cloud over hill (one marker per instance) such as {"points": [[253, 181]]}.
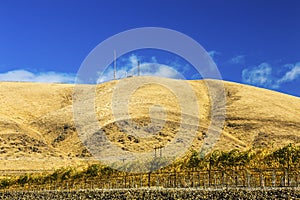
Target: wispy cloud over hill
{"points": [[27, 76]]}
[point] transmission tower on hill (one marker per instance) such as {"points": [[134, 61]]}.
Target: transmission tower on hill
{"points": [[115, 65], [139, 69]]}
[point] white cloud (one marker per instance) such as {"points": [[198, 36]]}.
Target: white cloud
{"points": [[153, 59], [27, 76], [213, 53], [109, 75], [237, 60], [291, 75], [146, 69], [156, 69], [262, 75], [133, 59], [288, 66]]}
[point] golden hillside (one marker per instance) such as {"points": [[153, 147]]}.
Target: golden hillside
{"points": [[37, 129]]}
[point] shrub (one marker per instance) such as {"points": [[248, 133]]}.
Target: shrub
{"points": [[194, 160], [22, 180], [5, 183], [106, 170], [93, 170]]}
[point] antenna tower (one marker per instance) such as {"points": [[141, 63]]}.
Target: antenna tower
{"points": [[139, 70], [115, 65]]}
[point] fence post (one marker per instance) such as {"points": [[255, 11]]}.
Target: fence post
{"points": [[248, 179], [261, 178], [215, 180], [149, 179], [174, 185], [190, 181], [288, 176], [125, 177], [236, 179], [209, 177], [223, 178], [204, 185], [133, 182], [199, 183], [274, 178], [298, 179], [285, 177], [193, 181]]}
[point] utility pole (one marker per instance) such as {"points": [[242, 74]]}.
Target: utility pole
{"points": [[115, 65], [139, 70]]}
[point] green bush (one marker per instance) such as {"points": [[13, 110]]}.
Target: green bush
{"points": [[106, 170], [5, 183], [194, 160], [288, 156], [93, 170], [22, 180]]}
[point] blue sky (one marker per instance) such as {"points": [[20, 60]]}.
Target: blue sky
{"points": [[254, 42]]}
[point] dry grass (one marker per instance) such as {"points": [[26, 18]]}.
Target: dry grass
{"points": [[37, 130]]}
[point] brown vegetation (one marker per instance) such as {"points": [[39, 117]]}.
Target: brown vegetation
{"points": [[37, 129]]}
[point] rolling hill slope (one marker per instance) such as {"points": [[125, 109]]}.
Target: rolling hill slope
{"points": [[37, 129]]}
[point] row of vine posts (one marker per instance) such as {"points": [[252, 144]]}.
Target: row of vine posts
{"points": [[234, 169]]}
